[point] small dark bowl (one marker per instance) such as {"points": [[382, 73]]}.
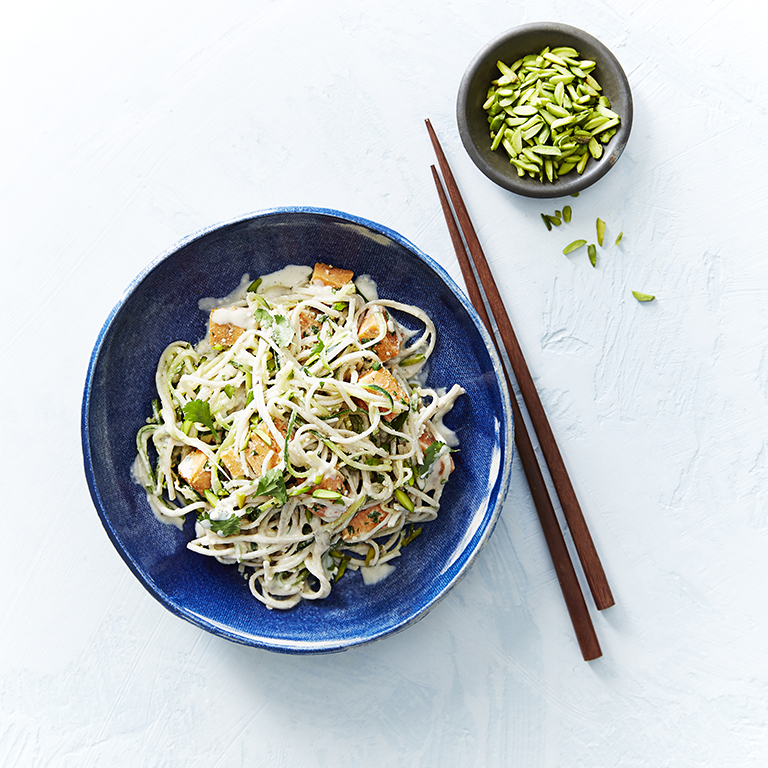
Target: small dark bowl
{"points": [[512, 45]]}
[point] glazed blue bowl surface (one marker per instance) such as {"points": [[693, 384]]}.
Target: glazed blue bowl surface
{"points": [[161, 306]]}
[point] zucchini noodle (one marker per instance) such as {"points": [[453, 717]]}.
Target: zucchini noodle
{"points": [[300, 433]]}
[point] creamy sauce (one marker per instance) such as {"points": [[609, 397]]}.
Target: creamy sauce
{"points": [[242, 317], [373, 574], [367, 287], [207, 304], [287, 277], [447, 435]]}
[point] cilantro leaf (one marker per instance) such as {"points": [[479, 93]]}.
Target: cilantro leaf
{"points": [[272, 483], [430, 456], [282, 332], [262, 317], [228, 527], [199, 412], [398, 422]]}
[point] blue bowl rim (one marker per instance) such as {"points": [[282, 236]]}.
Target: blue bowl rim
{"points": [[280, 644]]}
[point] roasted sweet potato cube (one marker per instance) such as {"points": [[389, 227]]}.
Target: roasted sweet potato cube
{"points": [[255, 454], [328, 275], [362, 522], [192, 469], [370, 329], [308, 324], [231, 460], [384, 379], [223, 334]]}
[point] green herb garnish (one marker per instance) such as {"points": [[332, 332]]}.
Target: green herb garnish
{"points": [[228, 527], [430, 456], [199, 412], [272, 484]]}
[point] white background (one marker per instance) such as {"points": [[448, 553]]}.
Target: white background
{"points": [[127, 127]]}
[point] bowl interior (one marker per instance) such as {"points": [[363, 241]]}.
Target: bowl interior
{"points": [[162, 306], [518, 42]]}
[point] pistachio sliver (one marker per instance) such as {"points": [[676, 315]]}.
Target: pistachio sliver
{"points": [[592, 253], [546, 96], [643, 296], [322, 493], [542, 149], [404, 499], [575, 245], [600, 227]]}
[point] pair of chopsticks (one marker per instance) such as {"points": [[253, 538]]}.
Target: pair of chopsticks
{"points": [[582, 540]]}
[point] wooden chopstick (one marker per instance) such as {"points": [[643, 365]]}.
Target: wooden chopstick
{"points": [[582, 539], [566, 575]]}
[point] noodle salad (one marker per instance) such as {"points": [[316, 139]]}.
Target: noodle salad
{"points": [[300, 432]]}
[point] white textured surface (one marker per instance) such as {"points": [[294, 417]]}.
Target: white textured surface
{"points": [[126, 128]]}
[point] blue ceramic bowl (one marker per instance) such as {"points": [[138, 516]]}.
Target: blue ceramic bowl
{"points": [[161, 306]]}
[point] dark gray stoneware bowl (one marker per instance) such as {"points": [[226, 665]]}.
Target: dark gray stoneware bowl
{"points": [[161, 306], [518, 42]]}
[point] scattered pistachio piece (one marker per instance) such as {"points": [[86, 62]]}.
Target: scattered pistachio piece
{"points": [[592, 251], [643, 296], [547, 222], [618, 239], [574, 246], [567, 214], [600, 225]]}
